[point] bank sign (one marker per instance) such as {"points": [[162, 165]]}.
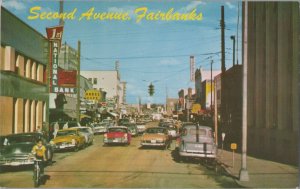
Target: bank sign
{"points": [[54, 34]]}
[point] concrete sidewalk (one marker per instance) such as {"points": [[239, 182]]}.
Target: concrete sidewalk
{"points": [[262, 173]]}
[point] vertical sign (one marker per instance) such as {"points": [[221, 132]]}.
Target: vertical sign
{"points": [[54, 67], [192, 68], [54, 35], [57, 85]]}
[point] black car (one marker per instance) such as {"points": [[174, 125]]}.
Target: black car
{"points": [[16, 148]]}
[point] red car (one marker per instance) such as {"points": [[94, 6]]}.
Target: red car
{"points": [[117, 135]]}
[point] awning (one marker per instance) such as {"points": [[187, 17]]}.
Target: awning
{"points": [[113, 114]]}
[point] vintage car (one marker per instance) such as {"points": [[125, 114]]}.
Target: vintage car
{"points": [[88, 134], [156, 136], [132, 128], [68, 139], [16, 148], [197, 141], [118, 135], [101, 127], [141, 127]]}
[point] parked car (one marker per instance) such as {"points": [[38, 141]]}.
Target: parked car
{"points": [[100, 127], [132, 128], [87, 133], [197, 141], [141, 127], [16, 148], [117, 134], [68, 139], [156, 136]]}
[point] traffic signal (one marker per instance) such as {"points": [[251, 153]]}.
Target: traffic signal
{"points": [[151, 89]]}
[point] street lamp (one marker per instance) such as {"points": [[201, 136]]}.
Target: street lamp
{"points": [[233, 49]]}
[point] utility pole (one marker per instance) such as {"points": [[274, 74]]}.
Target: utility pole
{"points": [[65, 56], [244, 176], [237, 35], [61, 10], [223, 69], [78, 82], [233, 49], [216, 113], [211, 86]]}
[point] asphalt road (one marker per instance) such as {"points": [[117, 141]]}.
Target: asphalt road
{"points": [[99, 166]]}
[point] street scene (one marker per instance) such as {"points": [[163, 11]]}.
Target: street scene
{"points": [[148, 94]]}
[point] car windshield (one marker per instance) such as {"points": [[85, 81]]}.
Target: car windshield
{"points": [[66, 133], [117, 130], [155, 130], [20, 139]]}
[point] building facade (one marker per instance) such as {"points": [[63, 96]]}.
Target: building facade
{"points": [[273, 79], [24, 92], [108, 81], [207, 96]]}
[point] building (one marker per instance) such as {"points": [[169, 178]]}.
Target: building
{"points": [[202, 75], [273, 80], [172, 105], [198, 87], [207, 96], [108, 81], [24, 92], [233, 106]]}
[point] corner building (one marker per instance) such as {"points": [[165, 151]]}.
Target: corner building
{"points": [[24, 93], [273, 80]]}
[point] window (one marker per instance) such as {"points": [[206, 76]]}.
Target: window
{"points": [[95, 81]]}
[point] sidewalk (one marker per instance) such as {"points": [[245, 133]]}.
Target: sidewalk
{"points": [[262, 173]]}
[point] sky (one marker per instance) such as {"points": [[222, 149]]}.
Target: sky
{"points": [[148, 51]]}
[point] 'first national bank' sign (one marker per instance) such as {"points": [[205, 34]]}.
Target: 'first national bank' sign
{"points": [[54, 35]]}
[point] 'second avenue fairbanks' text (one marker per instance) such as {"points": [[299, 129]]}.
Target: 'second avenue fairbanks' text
{"points": [[141, 13]]}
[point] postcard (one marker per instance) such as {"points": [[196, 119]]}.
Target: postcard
{"points": [[149, 94]]}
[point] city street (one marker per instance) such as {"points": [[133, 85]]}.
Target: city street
{"points": [[120, 167]]}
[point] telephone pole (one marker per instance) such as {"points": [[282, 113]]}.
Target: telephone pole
{"points": [[78, 82], [223, 69]]}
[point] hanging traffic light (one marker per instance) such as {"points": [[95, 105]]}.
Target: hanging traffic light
{"points": [[151, 89]]}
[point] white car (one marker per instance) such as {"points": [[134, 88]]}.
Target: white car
{"points": [[172, 132], [100, 128], [141, 127], [88, 134]]}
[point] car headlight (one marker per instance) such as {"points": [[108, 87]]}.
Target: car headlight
{"points": [[73, 141]]}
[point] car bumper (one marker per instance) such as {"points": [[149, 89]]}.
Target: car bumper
{"points": [[16, 162], [197, 154], [152, 144], [116, 141], [66, 146]]}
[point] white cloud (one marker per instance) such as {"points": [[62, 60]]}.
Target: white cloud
{"points": [[14, 4], [191, 6], [129, 9], [230, 6]]}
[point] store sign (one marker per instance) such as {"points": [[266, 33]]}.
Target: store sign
{"points": [[54, 34]]}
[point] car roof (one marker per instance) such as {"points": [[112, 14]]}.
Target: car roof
{"points": [[200, 126], [119, 127], [68, 129]]}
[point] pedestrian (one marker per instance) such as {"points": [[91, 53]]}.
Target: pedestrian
{"points": [[56, 128]]}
